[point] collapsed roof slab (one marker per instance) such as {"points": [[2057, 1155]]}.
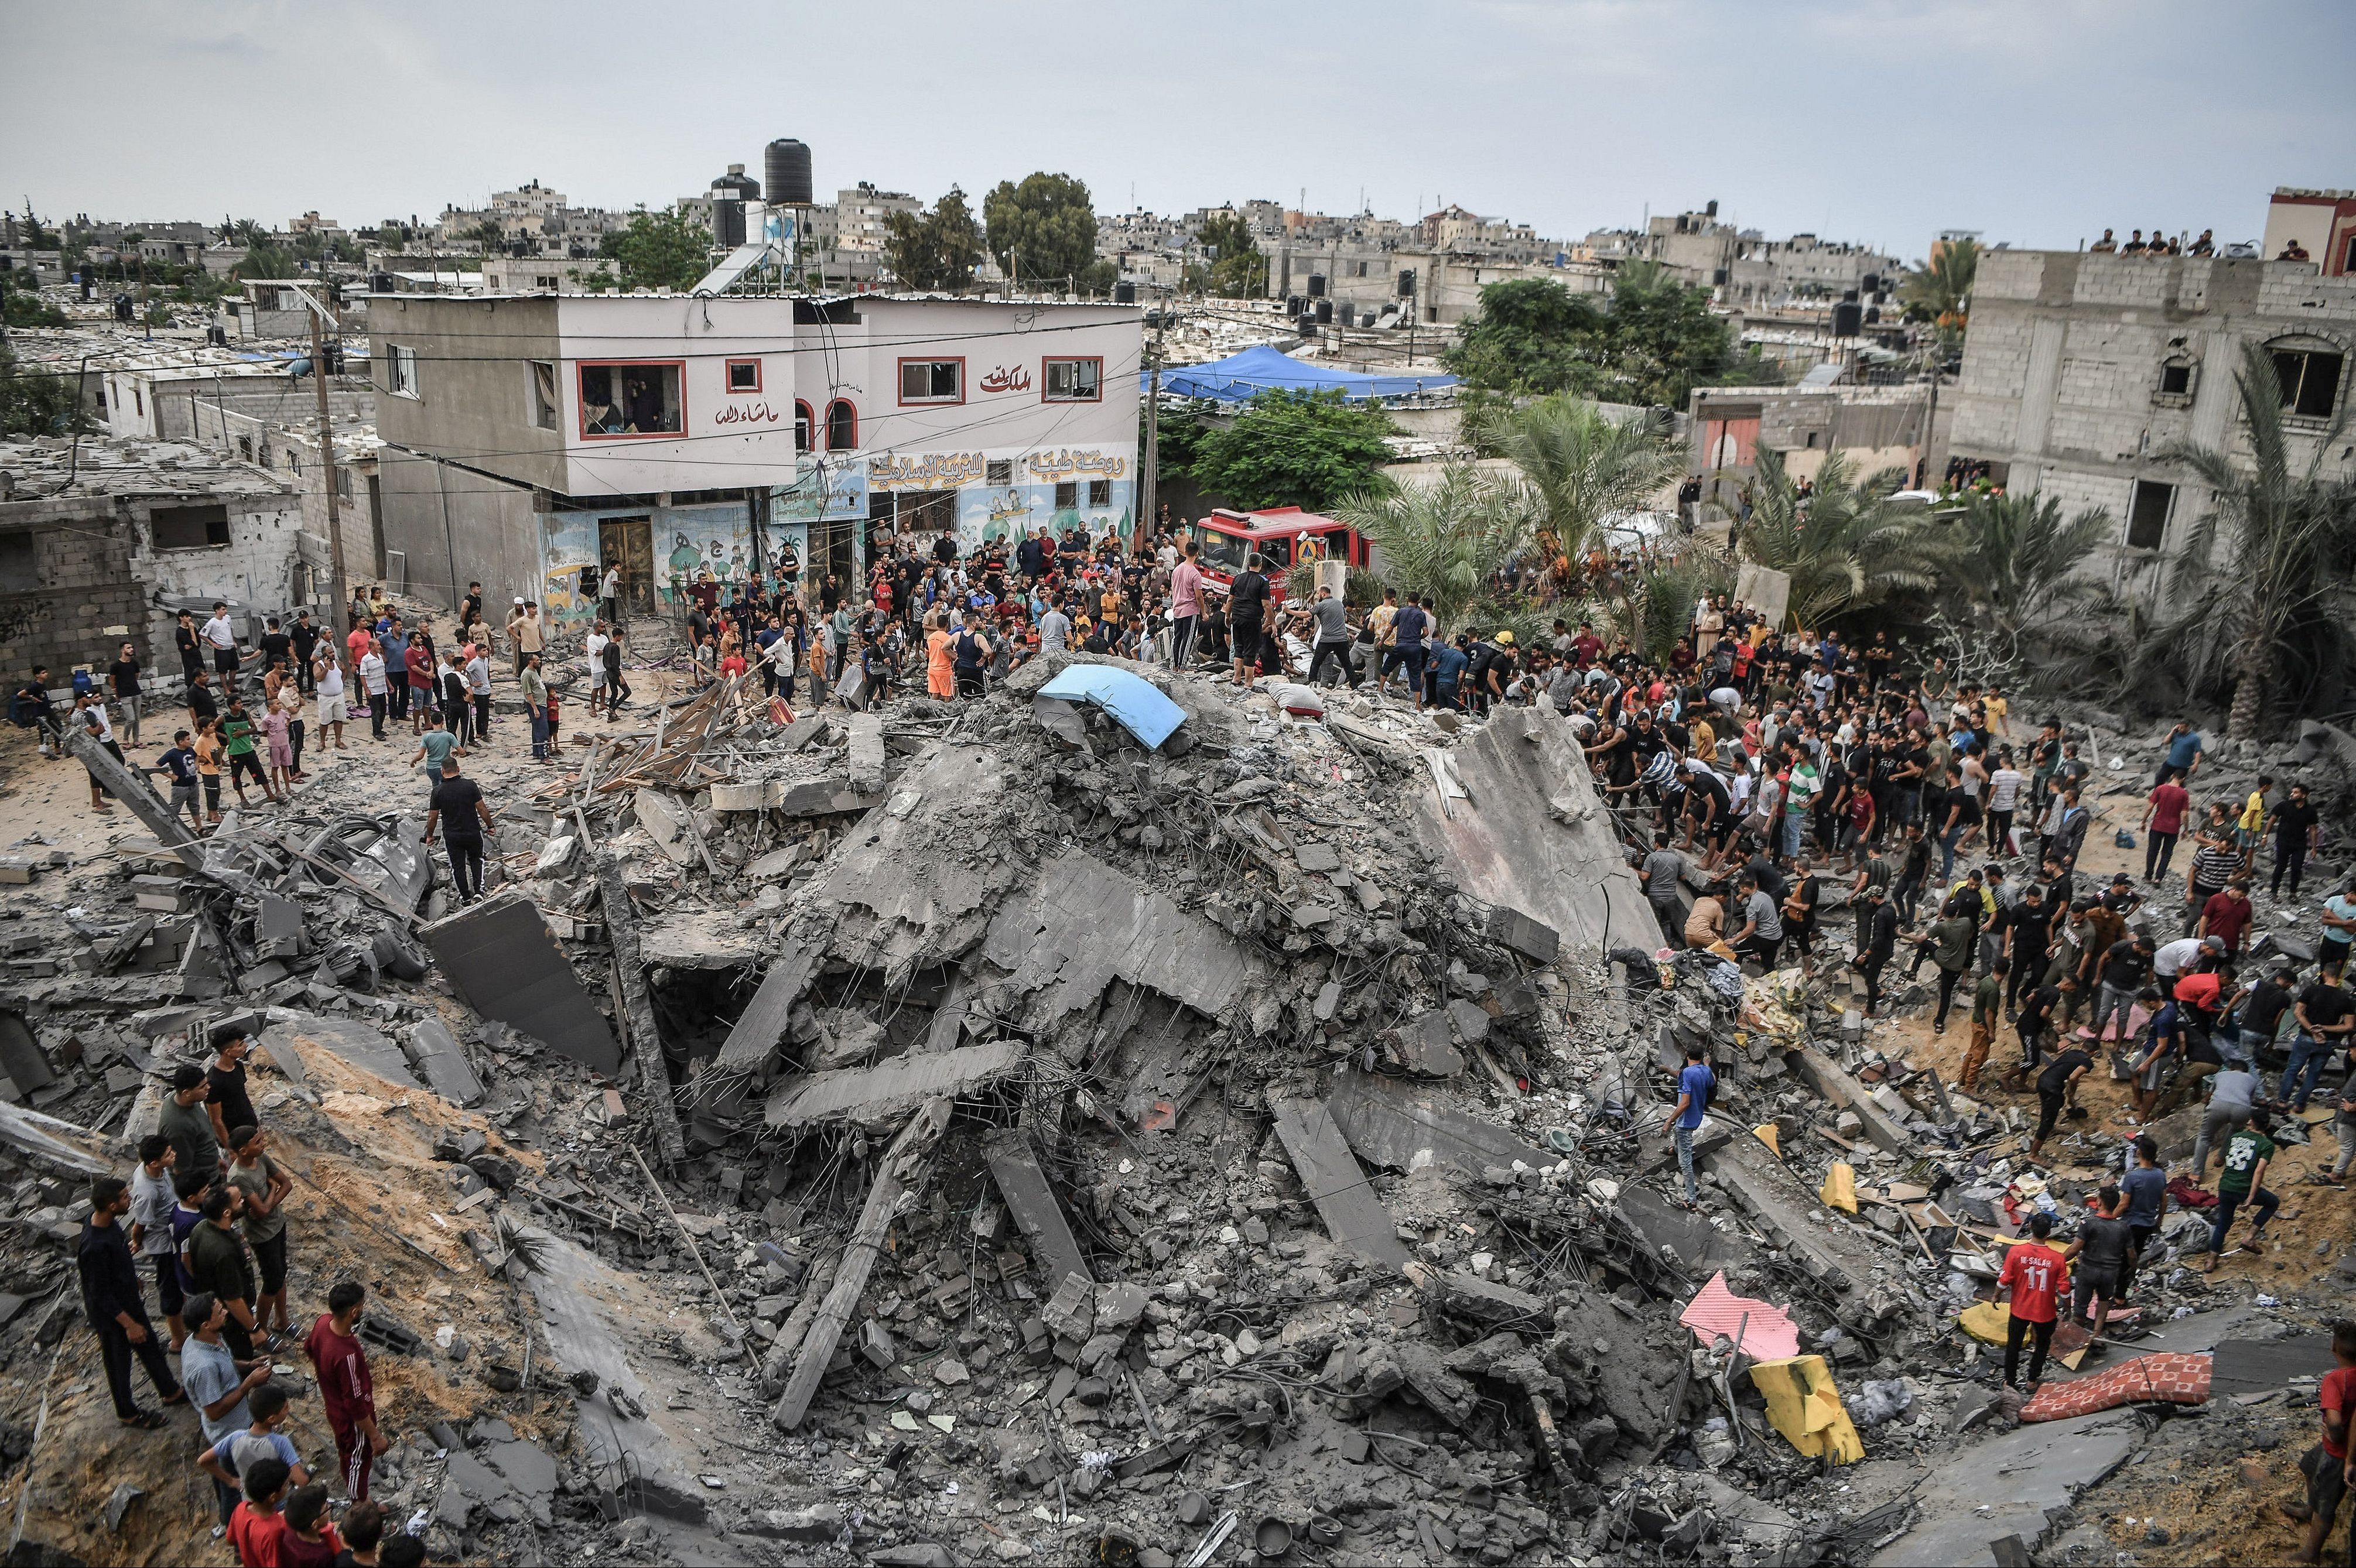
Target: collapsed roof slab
{"points": [[507, 965], [1535, 837], [1353, 1216], [889, 1091], [2012, 1485], [760, 1029], [1407, 1127], [1082, 924], [913, 863]]}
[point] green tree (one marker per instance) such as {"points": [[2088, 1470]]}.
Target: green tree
{"points": [[937, 251], [1043, 230], [2009, 566], [2272, 604], [1237, 271], [36, 237], [1445, 540], [1657, 604], [1293, 449], [1581, 467], [659, 250], [1847, 548], [23, 307], [264, 260], [1650, 340], [1942, 292], [39, 402]]}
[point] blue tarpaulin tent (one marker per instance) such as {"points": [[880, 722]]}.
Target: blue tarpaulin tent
{"points": [[1239, 376]]}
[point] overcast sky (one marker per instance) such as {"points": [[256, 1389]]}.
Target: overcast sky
{"points": [[2037, 122]]}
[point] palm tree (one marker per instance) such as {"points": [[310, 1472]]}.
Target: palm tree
{"points": [[1943, 290], [1847, 548], [1581, 467], [1445, 540], [2291, 538], [1658, 602], [2010, 565]]}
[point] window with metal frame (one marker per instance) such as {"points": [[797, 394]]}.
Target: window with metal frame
{"points": [[2309, 378], [400, 371], [2147, 510], [624, 399], [1074, 380], [932, 380], [744, 375]]}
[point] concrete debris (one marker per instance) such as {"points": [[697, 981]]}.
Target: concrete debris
{"points": [[504, 960]]}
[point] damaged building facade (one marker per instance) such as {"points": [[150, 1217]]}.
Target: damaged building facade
{"points": [[2081, 369], [532, 442], [104, 545]]}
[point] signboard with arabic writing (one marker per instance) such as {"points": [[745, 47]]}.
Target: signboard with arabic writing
{"points": [[933, 470], [1070, 464]]}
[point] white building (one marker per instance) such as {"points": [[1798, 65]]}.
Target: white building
{"points": [[528, 439]]}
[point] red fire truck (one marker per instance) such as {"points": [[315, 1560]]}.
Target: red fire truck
{"points": [[1281, 536]]}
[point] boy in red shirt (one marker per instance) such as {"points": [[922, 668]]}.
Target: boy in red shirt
{"points": [[2037, 1276], [346, 1386], [254, 1526], [2326, 1466]]}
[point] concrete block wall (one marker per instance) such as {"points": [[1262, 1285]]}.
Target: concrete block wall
{"points": [[87, 603]]}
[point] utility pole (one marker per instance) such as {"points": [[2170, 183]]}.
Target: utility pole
{"points": [[1149, 468], [328, 473]]}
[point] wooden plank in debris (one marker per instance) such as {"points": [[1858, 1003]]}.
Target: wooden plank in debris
{"points": [[1055, 1253], [1329, 1172], [901, 1173]]}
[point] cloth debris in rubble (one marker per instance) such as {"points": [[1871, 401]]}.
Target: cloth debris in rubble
{"points": [[1839, 1189], [2167, 1378], [1768, 1333], [1805, 1405], [1130, 699]]}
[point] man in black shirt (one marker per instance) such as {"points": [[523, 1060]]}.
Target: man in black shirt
{"points": [[2260, 1017], [2124, 969], [117, 1312], [305, 637], [2055, 1086], [122, 678], [2295, 834], [1247, 597], [2027, 933], [2036, 1023], [464, 816], [202, 704], [1880, 925], [2105, 1249], [277, 646]]}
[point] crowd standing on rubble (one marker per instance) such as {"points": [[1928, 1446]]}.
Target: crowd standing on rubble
{"points": [[1771, 780]]}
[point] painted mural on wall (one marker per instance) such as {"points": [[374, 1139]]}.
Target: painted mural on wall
{"points": [[987, 512], [686, 542], [822, 490], [718, 540], [568, 552]]}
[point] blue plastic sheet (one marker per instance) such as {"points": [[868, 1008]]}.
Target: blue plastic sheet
{"points": [[1133, 701], [1241, 377]]}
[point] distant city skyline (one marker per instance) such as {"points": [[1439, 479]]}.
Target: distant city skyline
{"points": [[2038, 124]]}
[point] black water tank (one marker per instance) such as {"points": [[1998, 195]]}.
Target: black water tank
{"points": [[1317, 285], [1308, 324], [1292, 305], [1848, 320], [1325, 307], [786, 172], [1407, 284], [1124, 293], [1871, 283]]}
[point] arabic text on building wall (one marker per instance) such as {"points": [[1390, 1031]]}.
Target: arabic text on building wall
{"points": [[933, 470], [1067, 464]]}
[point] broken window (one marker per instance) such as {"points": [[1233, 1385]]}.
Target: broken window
{"points": [[189, 527], [2147, 514], [245, 447], [2176, 378], [998, 471], [1075, 381], [400, 371], [543, 394], [631, 398], [744, 375], [932, 380], [20, 570], [841, 426], [1067, 495], [1099, 491], [2310, 380], [344, 483], [933, 511]]}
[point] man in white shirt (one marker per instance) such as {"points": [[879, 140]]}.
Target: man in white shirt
{"points": [[1054, 627], [591, 646], [220, 635], [609, 589], [478, 684], [372, 685]]}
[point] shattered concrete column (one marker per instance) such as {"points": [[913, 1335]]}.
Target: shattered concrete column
{"points": [[895, 1179], [130, 788], [638, 1002]]}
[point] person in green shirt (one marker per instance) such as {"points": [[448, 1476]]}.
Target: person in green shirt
{"points": [[185, 1121], [1988, 1007], [236, 735], [2247, 1154], [264, 1184], [435, 747]]}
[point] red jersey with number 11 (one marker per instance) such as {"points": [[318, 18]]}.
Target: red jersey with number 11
{"points": [[2038, 1274]]}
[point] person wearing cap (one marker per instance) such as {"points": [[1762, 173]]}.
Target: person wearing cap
{"points": [[183, 1120], [2185, 956]]}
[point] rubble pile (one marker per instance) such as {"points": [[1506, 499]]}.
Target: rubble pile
{"points": [[1012, 1128]]}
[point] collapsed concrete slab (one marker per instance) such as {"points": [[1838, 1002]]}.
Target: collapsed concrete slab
{"points": [[1083, 924], [887, 1092], [1533, 837], [506, 964], [1055, 1253], [448, 1072], [1320, 1156], [368, 1049], [907, 894], [760, 1029], [1407, 1126], [2010, 1485]]}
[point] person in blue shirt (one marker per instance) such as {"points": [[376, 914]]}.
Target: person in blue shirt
{"points": [[1695, 1084], [1448, 667], [396, 664], [2183, 759]]}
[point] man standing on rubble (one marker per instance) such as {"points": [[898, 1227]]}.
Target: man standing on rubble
{"points": [[1880, 940], [347, 1387], [2057, 1087], [116, 1310], [221, 1265], [535, 705], [1762, 931], [183, 1120], [2038, 1276], [459, 811], [2247, 1155], [1695, 1084]]}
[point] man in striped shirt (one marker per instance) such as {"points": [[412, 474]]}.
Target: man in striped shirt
{"points": [[2216, 865]]}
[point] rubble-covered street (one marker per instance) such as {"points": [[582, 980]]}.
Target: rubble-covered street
{"points": [[968, 1133]]}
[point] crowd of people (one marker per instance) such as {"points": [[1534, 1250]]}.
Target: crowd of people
{"points": [[200, 1219], [2159, 244]]}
